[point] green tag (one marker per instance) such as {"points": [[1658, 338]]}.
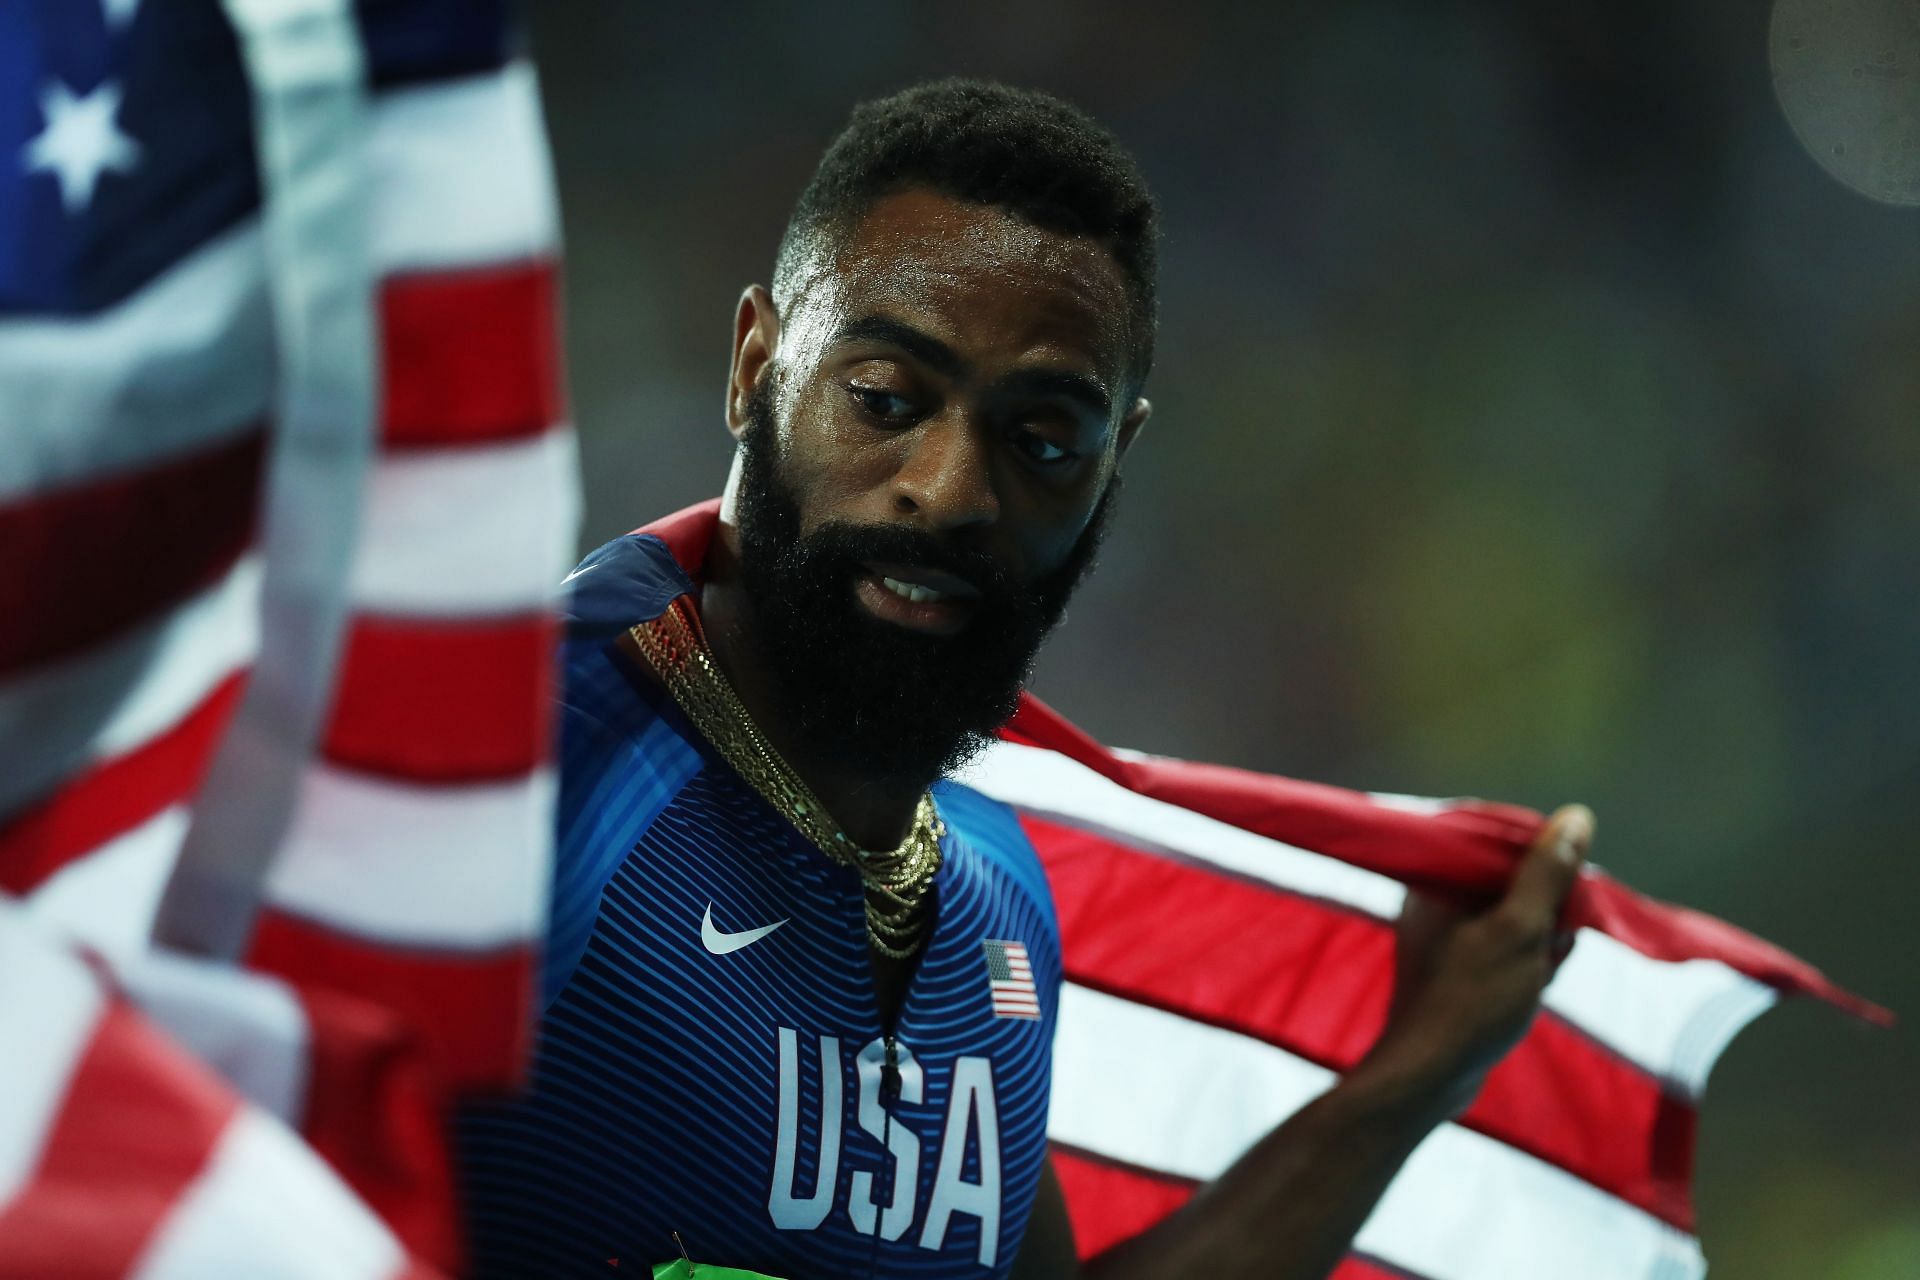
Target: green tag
{"points": [[681, 1269]]}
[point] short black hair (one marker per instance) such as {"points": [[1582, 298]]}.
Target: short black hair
{"points": [[1043, 160]]}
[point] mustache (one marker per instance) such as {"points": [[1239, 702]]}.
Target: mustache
{"points": [[844, 546]]}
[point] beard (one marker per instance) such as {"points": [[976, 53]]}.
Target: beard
{"points": [[868, 696]]}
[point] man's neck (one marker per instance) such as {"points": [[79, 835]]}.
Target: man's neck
{"points": [[875, 813]]}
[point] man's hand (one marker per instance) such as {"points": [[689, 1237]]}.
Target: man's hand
{"points": [[1466, 986]]}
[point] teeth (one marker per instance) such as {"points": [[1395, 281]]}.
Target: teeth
{"points": [[911, 591]]}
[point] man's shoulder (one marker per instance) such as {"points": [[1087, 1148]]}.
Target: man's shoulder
{"points": [[993, 830], [607, 709], [630, 579], [636, 576]]}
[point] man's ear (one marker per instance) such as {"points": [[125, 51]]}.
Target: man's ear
{"points": [[1130, 425], [756, 337]]}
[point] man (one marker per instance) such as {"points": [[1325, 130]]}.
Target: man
{"points": [[767, 1027]]}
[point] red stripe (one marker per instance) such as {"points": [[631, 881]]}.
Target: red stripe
{"points": [[1468, 851], [1110, 1202], [1316, 980], [373, 1111], [473, 1010], [433, 701], [140, 1118], [88, 561], [116, 796], [470, 356]]}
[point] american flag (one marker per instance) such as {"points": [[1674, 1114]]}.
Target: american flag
{"points": [[285, 490], [131, 1150], [1010, 977], [1228, 950]]}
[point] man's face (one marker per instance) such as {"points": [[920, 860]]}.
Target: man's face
{"points": [[925, 469]]}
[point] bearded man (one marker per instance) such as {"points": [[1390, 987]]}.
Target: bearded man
{"points": [[801, 984]]}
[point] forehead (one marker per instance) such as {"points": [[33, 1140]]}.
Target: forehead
{"points": [[982, 280]]}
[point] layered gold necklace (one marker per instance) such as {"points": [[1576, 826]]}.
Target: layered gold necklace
{"points": [[899, 881]]}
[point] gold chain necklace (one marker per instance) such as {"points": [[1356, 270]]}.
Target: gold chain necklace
{"points": [[899, 881]]}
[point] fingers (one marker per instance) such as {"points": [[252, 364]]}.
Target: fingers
{"points": [[1551, 866], [1423, 925], [1424, 918], [1562, 948]]}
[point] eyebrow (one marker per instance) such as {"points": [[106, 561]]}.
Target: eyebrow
{"points": [[944, 360], [923, 346], [1058, 383]]}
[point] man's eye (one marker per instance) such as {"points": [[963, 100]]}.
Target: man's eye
{"points": [[1040, 449], [884, 405]]}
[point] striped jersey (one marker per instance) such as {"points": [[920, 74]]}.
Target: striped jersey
{"points": [[712, 1059]]}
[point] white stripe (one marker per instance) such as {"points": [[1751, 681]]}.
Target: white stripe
{"points": [[1049, 785], [469, 531], [306, 66], [119, 696], [265, 1205], [245, 1025], [49, 1007], [183, 364], [1155, 1090], [1671, 1019], [108, 898], [442, 866], [461, 176]]}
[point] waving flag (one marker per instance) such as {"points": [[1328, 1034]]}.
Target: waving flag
{"points": [[122, 1154], [1228, 942], [284, 494], [138, 391]]}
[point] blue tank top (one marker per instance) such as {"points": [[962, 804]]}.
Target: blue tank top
{"points": [[711, 1058]]}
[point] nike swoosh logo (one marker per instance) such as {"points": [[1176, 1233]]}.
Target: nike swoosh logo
{"points": [[721, 943], [585, 568]]}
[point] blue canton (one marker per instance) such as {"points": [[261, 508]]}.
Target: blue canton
{"points": [[126, 131]]}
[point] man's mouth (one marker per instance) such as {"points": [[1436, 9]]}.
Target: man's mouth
{"points": [[917, 597]]}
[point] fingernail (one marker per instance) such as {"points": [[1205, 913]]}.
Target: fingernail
{"points": [[1576, 830]]}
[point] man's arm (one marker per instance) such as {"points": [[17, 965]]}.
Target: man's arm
{"points": [[1466, 990]]}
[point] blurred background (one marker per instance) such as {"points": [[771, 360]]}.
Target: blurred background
{"points": [[1534, 419]]}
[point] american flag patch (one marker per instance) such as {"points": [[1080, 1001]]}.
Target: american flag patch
{"points": [[1010, 975]]}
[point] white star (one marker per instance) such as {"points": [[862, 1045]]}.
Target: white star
{"points": [[81, 141], [120, 12]]}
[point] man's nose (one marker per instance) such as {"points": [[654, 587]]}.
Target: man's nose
{"points": [[946, 477]]}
